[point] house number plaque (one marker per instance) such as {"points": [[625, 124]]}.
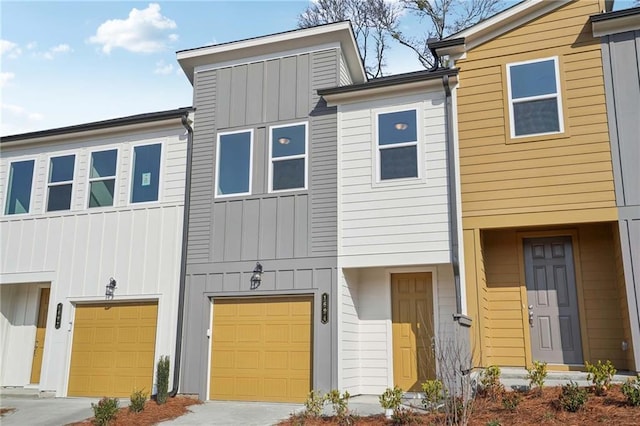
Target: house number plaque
{"points": [[58, 315], [324, 318]]}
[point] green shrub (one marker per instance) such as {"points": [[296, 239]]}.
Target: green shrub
{"points": [[404, 416], [572, 397], [138, 398], [631, 389], [162, 379], [433, 393], [490, 382], [600, 375], [537, 375], [340, 403], [511, 400], [314, 404], [391, 398], [105, 411]]}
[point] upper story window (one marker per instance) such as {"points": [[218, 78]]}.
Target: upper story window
{"points": [[233, 163], [288, 157], [145, 179], [102, 178], [60, 183], [19, 187], [397, 145], [534, 97]]}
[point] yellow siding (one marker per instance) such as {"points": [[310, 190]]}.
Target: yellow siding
{"points": [[559, 173]]}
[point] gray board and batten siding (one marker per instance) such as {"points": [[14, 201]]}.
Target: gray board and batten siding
{"points": [[621, 64], [292, 234]]}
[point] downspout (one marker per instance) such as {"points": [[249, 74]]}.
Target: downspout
{"points": [[183, 261]]}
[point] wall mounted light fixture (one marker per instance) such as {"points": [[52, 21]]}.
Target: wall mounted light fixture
{"points": [[256, 277], [110, 288]]}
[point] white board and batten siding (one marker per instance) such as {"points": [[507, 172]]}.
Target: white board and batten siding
{"points": [[403, 222], [365, 344], [75, 252]]}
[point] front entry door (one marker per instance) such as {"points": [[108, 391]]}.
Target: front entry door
{"points": [[553, 304], [41, 331], [412, 327]]}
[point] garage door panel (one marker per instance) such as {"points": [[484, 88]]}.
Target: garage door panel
{"points": [[254, 362], [113, 349]]}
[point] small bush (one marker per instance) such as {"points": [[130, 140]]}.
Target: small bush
{"points": [[404, 416], [391, 398], [600, 375], [105, 411], [490, 382], [340, 403], [162, 379], [433, 393], [314, 404], [537, 375], [631, 389], [493, 423], [138, 398], [572, 397], [511, 400]]}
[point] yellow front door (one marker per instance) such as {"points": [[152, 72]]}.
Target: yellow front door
{"points": [[261, 349], [412, 320], [41, 331]]}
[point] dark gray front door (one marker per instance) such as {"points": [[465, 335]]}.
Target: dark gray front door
{"points": [[553, 304]]}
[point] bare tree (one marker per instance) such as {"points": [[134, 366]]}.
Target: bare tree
{"points": [[376, 22]]}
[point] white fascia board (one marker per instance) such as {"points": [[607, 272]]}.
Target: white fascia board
{"points": [[616, 26]]}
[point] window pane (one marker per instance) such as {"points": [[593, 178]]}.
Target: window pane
{"points": [[538, 78], [536, 117], [19, 193], [287, 141], [59, 197], [103, 163], [234, 163], [61, 168], [146, 173], [288, 174], [101, 193], [398, 162], [397, 127]]}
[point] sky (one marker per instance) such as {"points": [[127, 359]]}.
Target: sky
{"points": [[74, 62]]}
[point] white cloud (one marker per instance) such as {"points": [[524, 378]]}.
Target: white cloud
{"points": [[5, 77], [16, 119], [56, 50], [10, 49], [32, 45], [144, 31], [162, 68]]}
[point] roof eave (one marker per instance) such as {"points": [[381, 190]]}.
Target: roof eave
{"points": [[620, 21]]}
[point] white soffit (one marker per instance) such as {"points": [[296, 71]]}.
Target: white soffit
{"points": [[616, 25]]}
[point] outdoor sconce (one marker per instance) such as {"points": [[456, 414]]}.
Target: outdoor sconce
{"points": [[256, 277], [110, 288]]}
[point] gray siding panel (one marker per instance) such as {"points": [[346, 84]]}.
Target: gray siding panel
{"points": [[255, 88], [271, 96], [303, 91], [287, 93], [238, 99], [223, 98]]}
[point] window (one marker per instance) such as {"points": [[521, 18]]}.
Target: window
{"points": [[233, 163], [146, 173], [19, 188], [534, 98], [102, 178], [60, 182], [288, 157], [398, 145]]}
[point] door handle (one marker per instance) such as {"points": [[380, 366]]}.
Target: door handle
{"points": [[531, 315]]}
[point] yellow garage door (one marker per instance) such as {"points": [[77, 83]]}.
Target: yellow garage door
{"points": [[261, 349], [113, 349]]}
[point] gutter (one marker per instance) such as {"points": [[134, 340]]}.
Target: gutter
{"points": [[183, 261]]}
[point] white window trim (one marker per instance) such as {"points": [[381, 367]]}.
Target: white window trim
{"points": [[557, 95], [218, 136], [418, 144], [66, 182], [90, 179], [33, 186], [289, 157], [160, 173]]}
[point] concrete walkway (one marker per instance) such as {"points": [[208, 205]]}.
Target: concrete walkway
{"points": [[30, 409]]}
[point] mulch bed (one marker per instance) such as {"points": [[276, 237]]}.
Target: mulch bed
{"points": [[533, 409], [152, 413], [4, 411]]}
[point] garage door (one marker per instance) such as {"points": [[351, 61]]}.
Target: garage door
{"points": [[261, 349], [113, 349]]}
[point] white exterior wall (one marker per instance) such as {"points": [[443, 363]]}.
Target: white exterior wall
{"points": [[77, 251], [366, 340], [403, 222]]}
